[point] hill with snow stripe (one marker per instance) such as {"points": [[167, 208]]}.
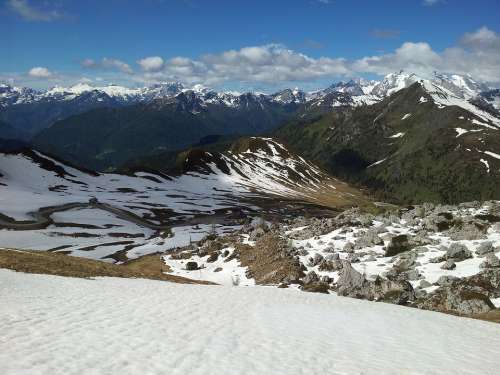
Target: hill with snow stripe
{"points": [[50, 205]]}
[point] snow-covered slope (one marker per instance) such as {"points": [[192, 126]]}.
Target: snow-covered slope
{"points": [[55, 325], [132, 212]]}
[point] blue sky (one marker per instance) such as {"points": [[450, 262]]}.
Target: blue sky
{"points": [[292, 42]]}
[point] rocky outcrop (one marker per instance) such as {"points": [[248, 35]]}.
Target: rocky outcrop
{"points": [[457, 301], [351, 283]]}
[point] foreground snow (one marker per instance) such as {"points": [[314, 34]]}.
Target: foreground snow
{"points": [[56, 325]]}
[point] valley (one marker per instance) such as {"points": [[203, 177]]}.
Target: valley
{"points": [[385, 192]]}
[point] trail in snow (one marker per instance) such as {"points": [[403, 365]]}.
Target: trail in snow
{"points": [[56, 325]]}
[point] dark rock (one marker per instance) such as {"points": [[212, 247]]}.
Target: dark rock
{"points": [[398, 244], [191, 266], [449, 265]]}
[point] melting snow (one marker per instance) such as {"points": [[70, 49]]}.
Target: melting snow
{"points": [[485, 162], [397, 135]]}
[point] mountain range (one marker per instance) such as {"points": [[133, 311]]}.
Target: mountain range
{"points": [[406, 137]]}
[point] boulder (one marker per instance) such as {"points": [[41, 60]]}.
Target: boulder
{"points": [[491, 261], [315, 260], [458, 252], [457, 301], [348, 247], [334, 256], [311, 277], [449, 265], [485, 248], [256, 233], [398, 244], [368, 239], [351, 283], [191, 266], [316, 287], [446, 280], [424, 284]]}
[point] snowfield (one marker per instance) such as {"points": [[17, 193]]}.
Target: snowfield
{"points": [[55, 325]]}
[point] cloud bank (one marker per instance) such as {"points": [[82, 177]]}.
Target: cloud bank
{"points": [[476, 54]]}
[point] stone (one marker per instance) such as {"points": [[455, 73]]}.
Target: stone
{"points": [[348, 247], [424, 284], [213, 257], [311, 277], [446, 280], [491, 261], [368, 239], [458, 301], [485, 248], [315, 260], [334, 256], [458, 252], [398, 244], [256, 233], [351, 283], [191, 266], [449, 265]]}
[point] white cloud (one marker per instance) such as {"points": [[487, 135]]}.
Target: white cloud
{"points": [[266, 64], [151, 64], [271, 66], [432, 2], [39, 72], [477, 54], [107, 64], [31, 13]]}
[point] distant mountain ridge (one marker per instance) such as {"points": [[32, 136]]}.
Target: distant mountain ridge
{"points": [[30, 110]]}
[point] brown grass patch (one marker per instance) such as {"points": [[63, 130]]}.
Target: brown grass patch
{"points": [[490, 316], [42, 262]]}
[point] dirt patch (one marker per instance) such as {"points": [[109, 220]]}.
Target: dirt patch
{"points": [[41, 262]]}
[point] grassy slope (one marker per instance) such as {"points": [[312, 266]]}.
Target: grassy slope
{"points": [[429, 163], [147, 267]]}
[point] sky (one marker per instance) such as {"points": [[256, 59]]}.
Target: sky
{"points": [[244, 45]]}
